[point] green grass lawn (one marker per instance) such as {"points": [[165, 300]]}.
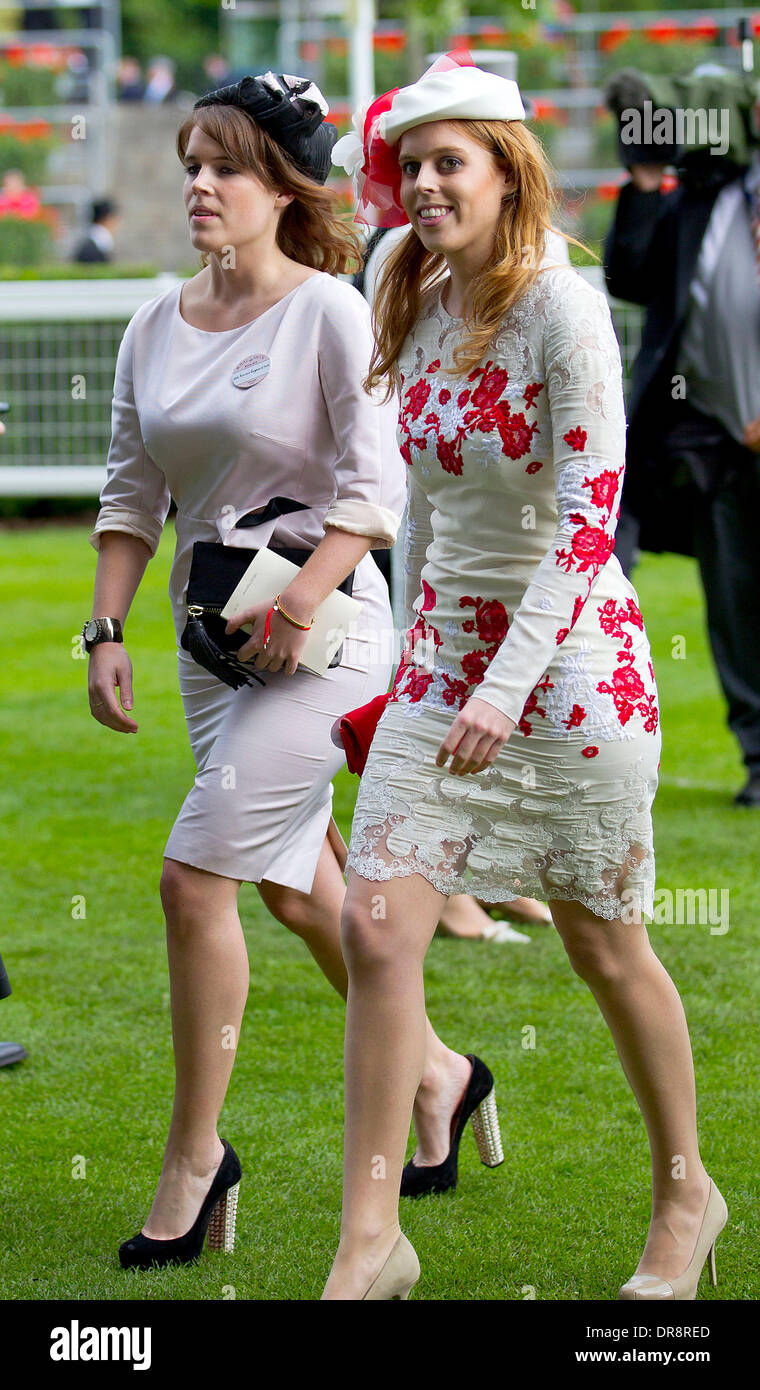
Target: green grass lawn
{"points": [[87, 813]]}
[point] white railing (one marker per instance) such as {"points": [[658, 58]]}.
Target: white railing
{"points": [[58, 346]]}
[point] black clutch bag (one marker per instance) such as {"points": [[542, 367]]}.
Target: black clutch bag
{"points": [[215, 572]]}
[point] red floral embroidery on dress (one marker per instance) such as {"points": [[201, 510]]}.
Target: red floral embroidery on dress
{"points": [[577, 610], [590, 751], [534, 466], [490, 618], [448, 453], [531, 391], [492, 625], [487, 413], [421, 632], [576, 438], [417, 396], [649, 713], [611, 619], [575, 718], [532, 706], [604, 488], [590, 547]]}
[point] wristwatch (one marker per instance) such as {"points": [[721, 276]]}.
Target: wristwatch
{"points": [[101, 630]]}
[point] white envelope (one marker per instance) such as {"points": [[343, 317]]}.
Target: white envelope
{"points": [[267, 576]]}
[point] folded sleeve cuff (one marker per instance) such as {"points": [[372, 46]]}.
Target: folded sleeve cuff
{"points": [[141, 524], [364, 519]]}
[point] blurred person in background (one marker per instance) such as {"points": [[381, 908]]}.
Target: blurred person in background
{"points": [[98, 244], [217, 72], [16, 199], [160, 85], [129, 80], [691, 257]]}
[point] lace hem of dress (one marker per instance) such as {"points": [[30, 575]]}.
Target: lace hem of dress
{"points": [[606, 905], [601, 856]]}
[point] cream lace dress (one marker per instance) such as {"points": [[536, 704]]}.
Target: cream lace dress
{"points": [[514, 475]]}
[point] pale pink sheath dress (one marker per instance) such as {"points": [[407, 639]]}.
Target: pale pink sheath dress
{"points": [[306, 430]]}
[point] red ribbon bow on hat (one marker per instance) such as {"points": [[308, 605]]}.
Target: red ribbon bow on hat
{"points": [[378, 179]]}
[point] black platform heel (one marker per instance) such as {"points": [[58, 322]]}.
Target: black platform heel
{"points": [[478, 1104], [216, 1216]]}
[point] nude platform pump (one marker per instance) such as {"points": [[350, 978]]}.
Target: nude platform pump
{"points": [[398, 1275], [684, 1286]]}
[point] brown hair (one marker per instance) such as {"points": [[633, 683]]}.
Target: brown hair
{"points": [[513, 265], [310, 229]]}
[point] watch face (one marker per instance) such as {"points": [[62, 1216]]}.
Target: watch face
{"points": [[91, 630]]}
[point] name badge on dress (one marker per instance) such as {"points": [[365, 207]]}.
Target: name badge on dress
{"points": [[251, 370]]}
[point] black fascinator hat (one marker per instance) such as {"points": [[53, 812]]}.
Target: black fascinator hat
{"points": [[290, 109]]}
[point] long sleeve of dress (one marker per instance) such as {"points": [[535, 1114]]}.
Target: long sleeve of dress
{"points": [[369, 469], [583, 376], [135, 497]]}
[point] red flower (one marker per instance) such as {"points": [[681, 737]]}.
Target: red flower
{"points": [[603, 487], [648, 711], [575, 718], [475, 665], [577, 609], [462, 399], [590, 751], [628, 683], [448, 457], [434, 365], [455, 690], [492, 621], [430, 599], [416, 397], [444, 396], [418, 684], [534, 466], [561, 635], [491, 385], [490, 617], [591, 547], [532, 706], [516, 433], [531, 391], [576, 438]]}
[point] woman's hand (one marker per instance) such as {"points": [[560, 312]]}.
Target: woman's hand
{"points": [[283, 648], [111, 670], [475, 739]]}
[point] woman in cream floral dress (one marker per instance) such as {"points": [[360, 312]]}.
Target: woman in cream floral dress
{"points": [[526, 663]]}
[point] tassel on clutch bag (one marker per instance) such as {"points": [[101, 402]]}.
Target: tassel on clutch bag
{"points": [[215, 572]]}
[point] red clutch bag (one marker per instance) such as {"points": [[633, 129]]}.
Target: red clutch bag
{"points": [[356, 731]]}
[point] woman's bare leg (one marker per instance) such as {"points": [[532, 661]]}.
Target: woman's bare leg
{"points": [[386, 929], [315, 917], [645, 1016], [209, 975]]}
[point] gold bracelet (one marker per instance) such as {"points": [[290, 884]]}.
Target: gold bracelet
{"points": [[303, 627]]}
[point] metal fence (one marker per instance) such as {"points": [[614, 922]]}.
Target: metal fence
{"points": [[58, 345]]}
